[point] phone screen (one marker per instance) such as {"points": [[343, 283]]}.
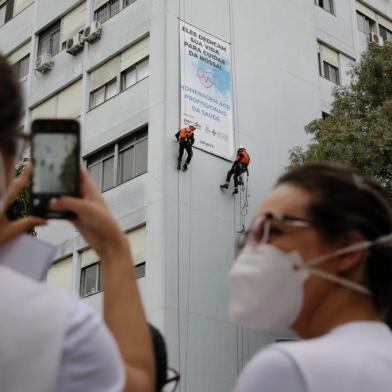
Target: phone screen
{"points": [[55, 155], [56, 162]]}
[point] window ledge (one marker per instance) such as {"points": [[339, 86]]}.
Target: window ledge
{"points": [[336, 84], [89, 295], [329, 13], [125, 182]]}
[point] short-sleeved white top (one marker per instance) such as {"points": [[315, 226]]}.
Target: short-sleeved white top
{"points": [[354, 357]]}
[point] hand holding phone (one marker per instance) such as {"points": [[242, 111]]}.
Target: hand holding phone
{"points": [[55, 153]]}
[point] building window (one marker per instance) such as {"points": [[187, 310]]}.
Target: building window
{"points": [[328, 62], [3, 11], [327, 5], [121, 161], [49, 40], [111, 8], [6, 11], [22, 67], [331, 73], [103, 93], [385, 33], [128, 2], [101, 167], [134, 74], [140, 270], [90, 280], [365, 24]]}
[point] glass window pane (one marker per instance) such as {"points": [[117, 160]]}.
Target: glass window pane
{"points": [[95, 172], [23, 67], [55, 43], [107, 174], [129, 78], [128, 2], [114, 7], [141, 158], [102, 14], [142, 70], [90, 280], [111, 89], [2, 14], [97, 97], [126, 165], [140, 270]]}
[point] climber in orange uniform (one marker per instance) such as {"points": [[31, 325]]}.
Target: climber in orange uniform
{"points": [[186, 138], [239, 167]]}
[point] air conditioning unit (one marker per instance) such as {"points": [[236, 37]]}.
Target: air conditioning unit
{"points": [[74, 44], [44, 63], [92, 32], [375, 38]]}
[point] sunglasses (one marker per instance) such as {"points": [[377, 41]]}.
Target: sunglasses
{"points": [[172, 380], [268, 224]]}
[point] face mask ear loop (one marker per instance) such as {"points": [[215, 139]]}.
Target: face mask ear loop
{"points": [[349, 249], [342, 281]]}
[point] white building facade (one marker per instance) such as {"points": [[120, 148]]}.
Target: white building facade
{"points": [[124, 88]]}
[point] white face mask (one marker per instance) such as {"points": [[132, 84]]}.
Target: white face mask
{"points": [[266, 284]]}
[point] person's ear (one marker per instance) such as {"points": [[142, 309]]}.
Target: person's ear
{"points": [[350, 261]]}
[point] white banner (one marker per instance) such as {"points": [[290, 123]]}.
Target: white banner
{"points": [[206, 90]]}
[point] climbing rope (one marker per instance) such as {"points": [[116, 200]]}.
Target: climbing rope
{"points": [[245, 204]]}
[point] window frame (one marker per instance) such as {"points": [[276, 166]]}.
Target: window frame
{"points": [[4, 7], [140, 270], [98, 283], [108, 7], [18, 67], [105, 87], [371, 24], [131, 140], [331, 4], [327, 72], [126, 4], [48, 34], [131, 68], [388, 33], [8, 11], [324, 65]]}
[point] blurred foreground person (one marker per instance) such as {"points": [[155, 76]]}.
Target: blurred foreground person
{"points": [[166, 379], [48, 340], [318, 258]]}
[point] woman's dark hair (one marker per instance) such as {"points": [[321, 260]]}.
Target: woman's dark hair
{"points": [[11, 104], [345, 200], [160, 354]]}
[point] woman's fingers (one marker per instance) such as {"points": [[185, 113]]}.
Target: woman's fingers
{"points": [[20, 226], [89, 188], [73, 204], [17, 185]]}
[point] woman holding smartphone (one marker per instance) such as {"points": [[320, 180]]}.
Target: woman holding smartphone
{"points": [[318, 258], [48, 341]]}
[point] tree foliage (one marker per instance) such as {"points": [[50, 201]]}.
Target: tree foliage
{"points": [[21, 205], [359, 129]]}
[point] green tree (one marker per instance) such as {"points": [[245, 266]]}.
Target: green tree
{"points": [[21, 205], [68, 174], [359, 130]]}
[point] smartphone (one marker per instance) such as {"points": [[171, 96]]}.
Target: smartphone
{"points": [[55, 154]]}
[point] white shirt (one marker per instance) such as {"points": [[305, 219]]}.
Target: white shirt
{"points": [[90, 358], [354, 357]]}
